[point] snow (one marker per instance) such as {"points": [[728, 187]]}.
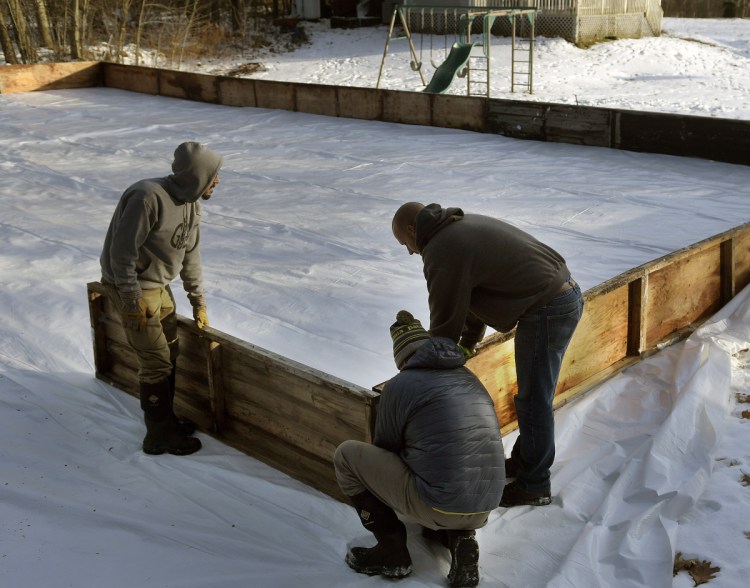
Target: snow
{"points": [[697, 66], [299, 259]]}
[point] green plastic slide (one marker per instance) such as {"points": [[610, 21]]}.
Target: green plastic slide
{"points": [[446, 72]]}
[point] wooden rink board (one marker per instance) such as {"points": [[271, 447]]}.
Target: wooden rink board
{"points": [[293, 417], [690, 136]]}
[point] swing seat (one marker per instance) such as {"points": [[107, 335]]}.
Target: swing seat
{"points": [[446, 72]]}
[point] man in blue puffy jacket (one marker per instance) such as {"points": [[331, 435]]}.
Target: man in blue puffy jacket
{"points": [[436, 459]]}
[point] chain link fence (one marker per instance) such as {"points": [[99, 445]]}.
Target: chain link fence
{"points": [[582, 22]]}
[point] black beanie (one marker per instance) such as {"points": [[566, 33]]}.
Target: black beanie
{"points": [[408, 336]]}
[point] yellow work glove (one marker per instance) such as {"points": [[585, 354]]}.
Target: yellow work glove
{"points": [[134, 313], [200, 316]]}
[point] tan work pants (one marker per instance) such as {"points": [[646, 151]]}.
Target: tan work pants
{"points": [[156, 344], [363, 466]]}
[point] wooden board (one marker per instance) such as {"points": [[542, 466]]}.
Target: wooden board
{"points": [[317, 99], [362, 103], [458, 112], [293, 417], [706, 137], [53, 76], [629, 317], [411, 108], [132, 78], [281, 412]]}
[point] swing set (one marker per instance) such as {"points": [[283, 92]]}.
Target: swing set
{"points": [[460, 58]]}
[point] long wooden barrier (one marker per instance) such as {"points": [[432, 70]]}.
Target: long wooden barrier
{"points": [[293, 417], [694, 136], [284, 413], [629, 317]]}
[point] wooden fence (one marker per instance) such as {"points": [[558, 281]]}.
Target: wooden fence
{"points": [[293, 417], [694, 136]]}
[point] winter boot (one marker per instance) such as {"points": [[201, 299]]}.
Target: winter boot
{"points": [[464, 572], [182, 426], [514, 494], [161, 436], [390, 557]]}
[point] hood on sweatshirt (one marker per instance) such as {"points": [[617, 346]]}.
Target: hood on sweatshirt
{"points": [[438, 353], [432, 219], [193, 169]]}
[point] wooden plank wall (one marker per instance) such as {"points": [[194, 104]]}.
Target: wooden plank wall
{"points": [[692, 136], [629, 317], [52, 76], [286, 414], [293, 417]]}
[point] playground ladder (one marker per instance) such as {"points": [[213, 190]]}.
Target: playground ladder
{"points": [[522, 59], [478, 74]]}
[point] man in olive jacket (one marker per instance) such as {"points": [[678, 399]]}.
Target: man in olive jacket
{"points": [[154, 236], [437, 458], [482, 271]]}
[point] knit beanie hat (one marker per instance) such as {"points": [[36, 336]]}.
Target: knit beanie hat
{"points": [[408, 336]]}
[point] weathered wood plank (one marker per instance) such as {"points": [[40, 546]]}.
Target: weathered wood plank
{"points": [[317, 99], [707, 137], [237, 92], [216, 390], [694, 136], [682, 294], [516, 119], [50, 76], [411, 108], [458, 112], [360, 103], [741, 258], [189, 86], [495, 367], [290, 459], [132, 78], [279, 95], [578, 125]]}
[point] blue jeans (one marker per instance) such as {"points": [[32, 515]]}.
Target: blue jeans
{"points": [[542, 336]]}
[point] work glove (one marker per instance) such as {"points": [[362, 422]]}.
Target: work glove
{"points": [[134, 311], [200, 316]]}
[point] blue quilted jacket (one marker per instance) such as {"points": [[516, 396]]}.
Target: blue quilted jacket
{"points": [[440, 419]]}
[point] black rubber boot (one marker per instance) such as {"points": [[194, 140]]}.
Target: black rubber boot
{"points": [[161, 436], [514, 494], [182, 426], [464, 572], [390, 557]]}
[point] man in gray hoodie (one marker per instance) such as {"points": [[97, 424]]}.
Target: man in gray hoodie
{"points": [[436, 459], [483, 271], [154, 236]]}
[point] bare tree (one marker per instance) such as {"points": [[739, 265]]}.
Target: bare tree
{"points": [[42, 21], [6, 43], [24, 40]]}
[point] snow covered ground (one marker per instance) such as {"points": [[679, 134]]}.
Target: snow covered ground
{"points": [[697, 66], [299, 259]]}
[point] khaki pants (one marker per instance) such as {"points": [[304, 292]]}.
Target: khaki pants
{"points": [[363, 466], [156, 345]]}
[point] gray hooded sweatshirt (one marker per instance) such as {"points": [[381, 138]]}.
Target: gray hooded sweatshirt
{"points": [[154, 234]]}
